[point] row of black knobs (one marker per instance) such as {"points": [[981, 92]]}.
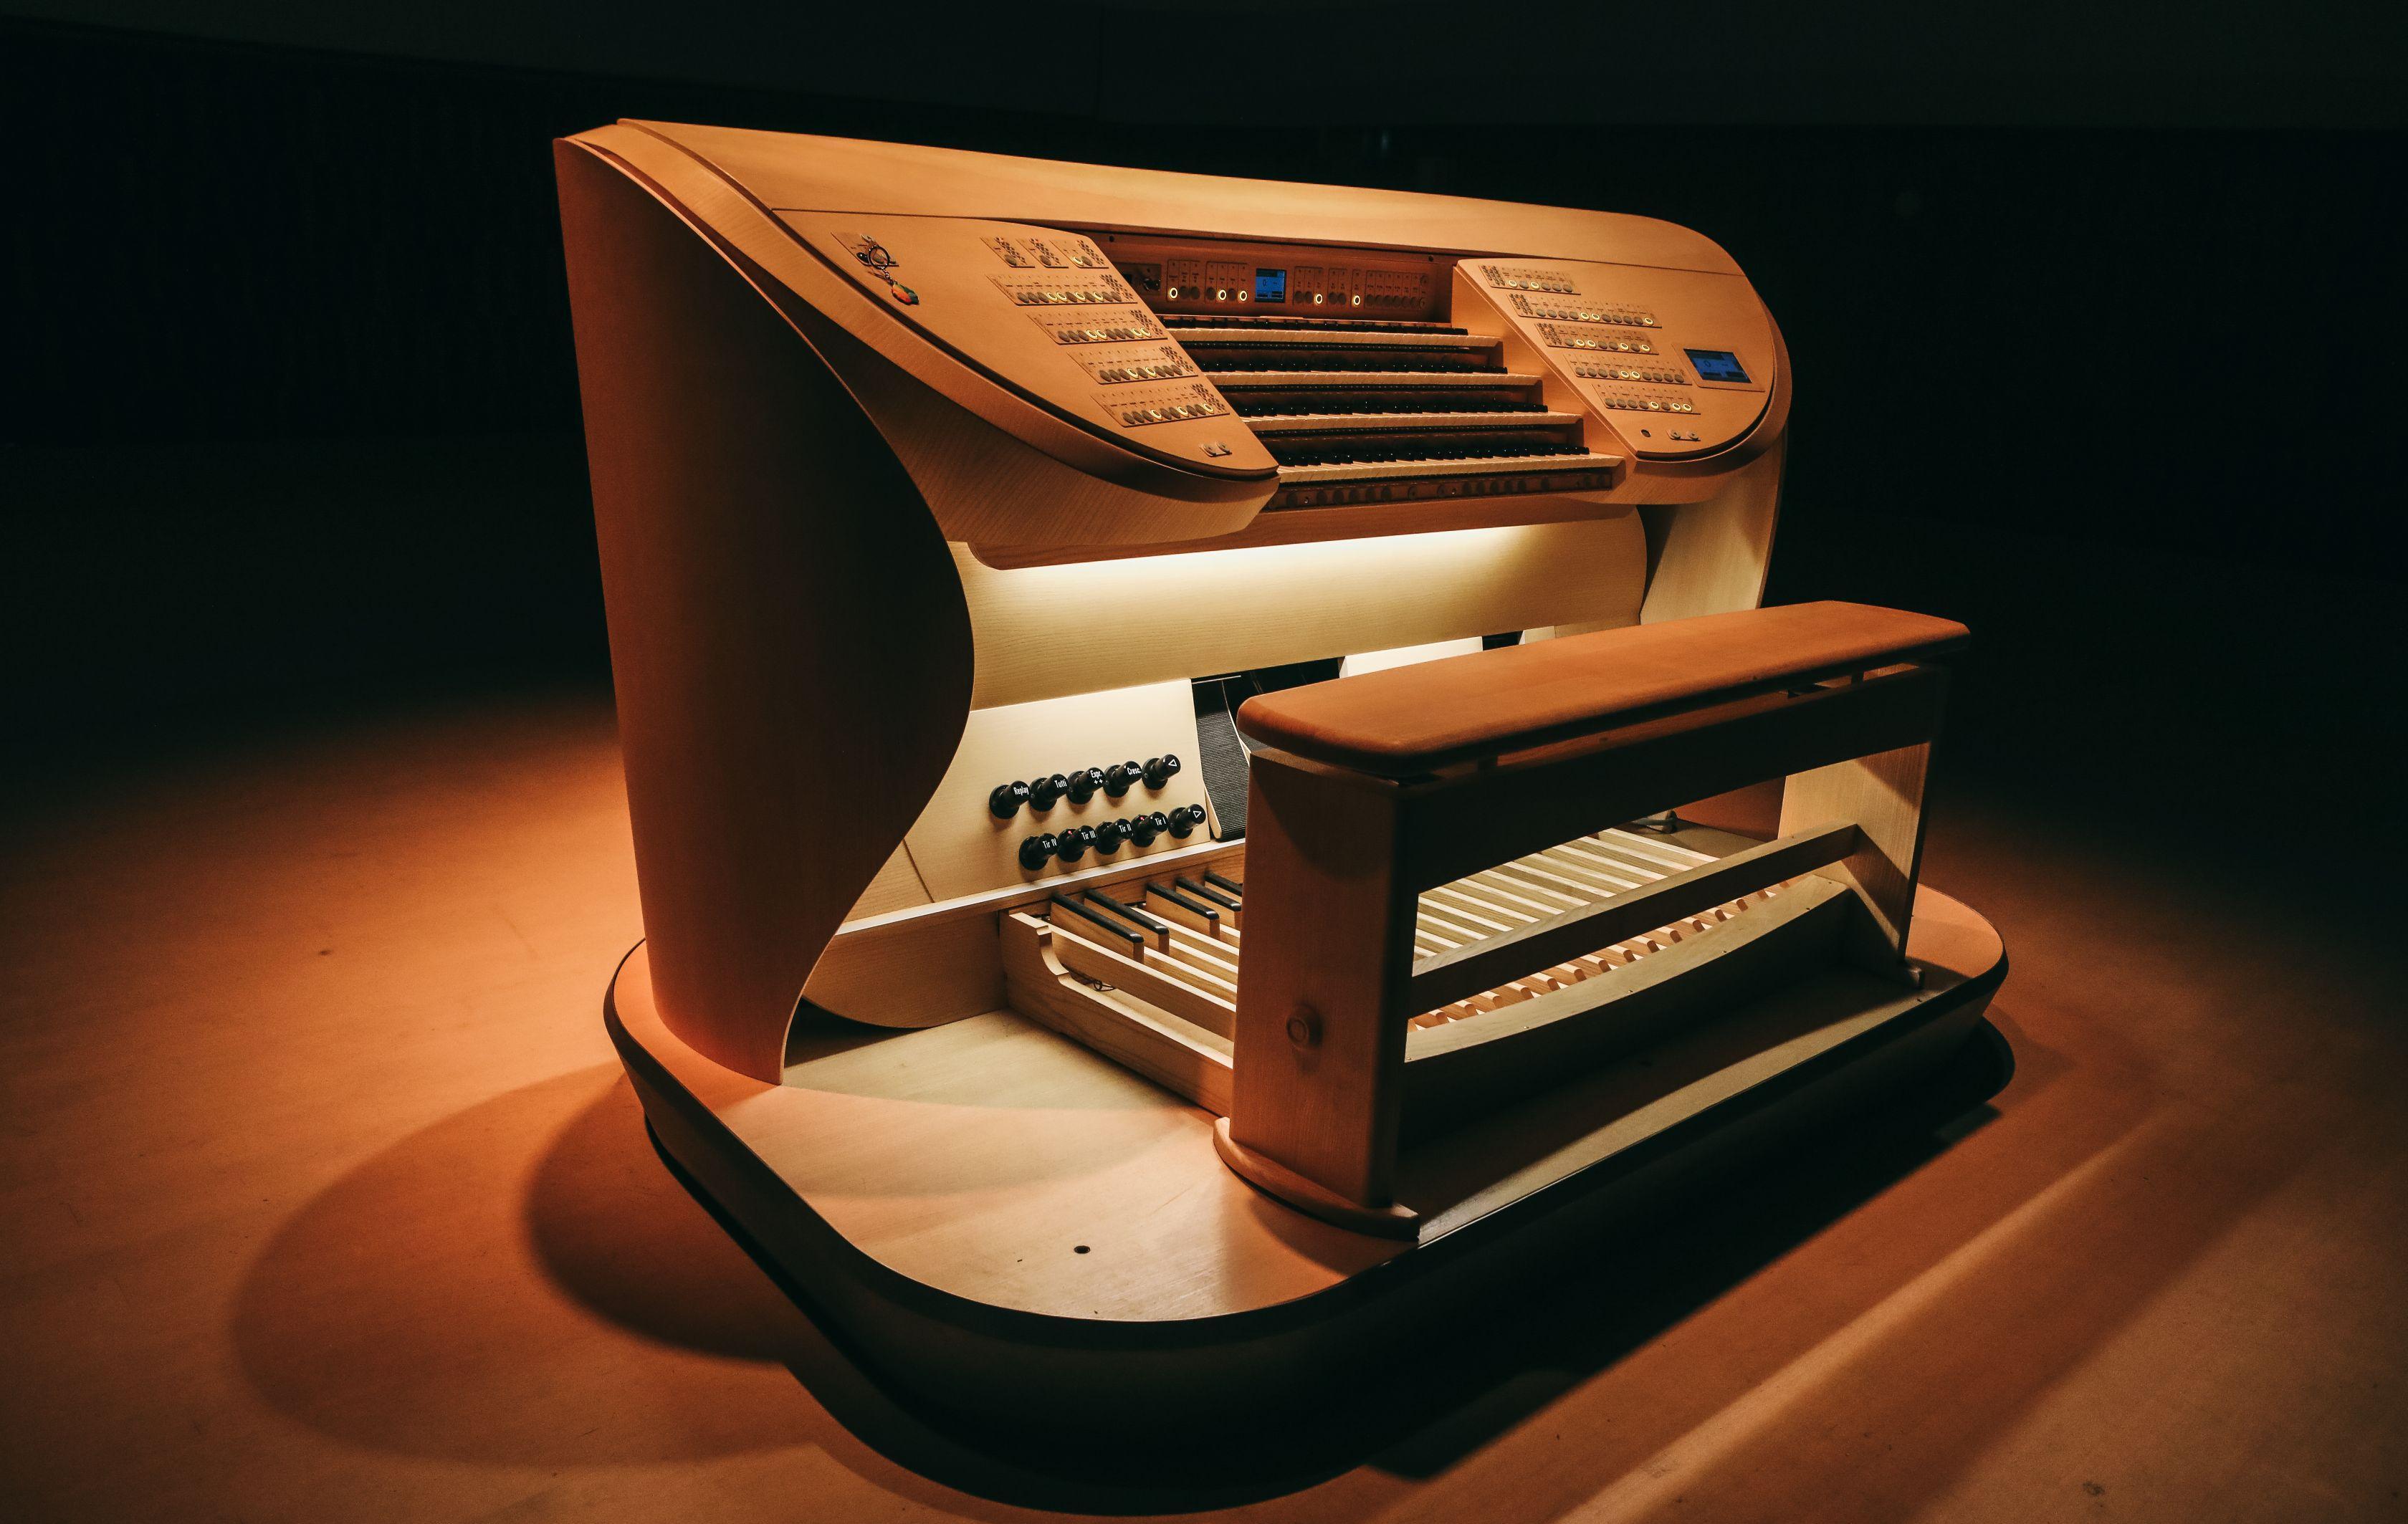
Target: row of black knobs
{"points": [[1071, 844], [1040, 794]]}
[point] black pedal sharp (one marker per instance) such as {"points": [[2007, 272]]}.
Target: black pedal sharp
{"points": [[1188, 902], [1128, 912], [1134, 944], [1209, 895]]}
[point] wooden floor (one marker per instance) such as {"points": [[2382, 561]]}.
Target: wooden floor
{"points": [[322, 1198]]}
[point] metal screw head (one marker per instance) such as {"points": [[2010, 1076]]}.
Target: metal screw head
{"points": [[1304, 1027]]}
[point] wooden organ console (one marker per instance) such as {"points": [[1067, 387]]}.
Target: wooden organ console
{"points": [[1155, 710]]}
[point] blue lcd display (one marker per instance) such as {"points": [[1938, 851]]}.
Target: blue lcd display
{"points": [[1270, 285], [1717, 365]]}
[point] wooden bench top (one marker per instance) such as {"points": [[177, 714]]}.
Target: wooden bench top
{"points": [[1409, 721]]}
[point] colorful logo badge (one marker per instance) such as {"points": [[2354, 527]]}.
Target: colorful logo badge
{"points": [[879, 261]]}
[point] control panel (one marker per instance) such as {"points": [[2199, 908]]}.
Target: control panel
{"points": [[1092, 291], [1029, 251], [1059, 786], [1144, 406], [1519, 277], [1122, 364], [1677, 363], [1620, 317], [1119, 328], [1047, 314], [1041, 852], [1597, 370], [1565, 335], [1278, 280], [1039, 795]]}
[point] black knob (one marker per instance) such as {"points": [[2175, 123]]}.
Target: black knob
{"points": [[1043, 791], [1007, 799], [1185, 818], [1109, 835], [1160, 770], [1123, 777], [1144, 827], [1034, 850], [1083, 785], [1072, 845]]}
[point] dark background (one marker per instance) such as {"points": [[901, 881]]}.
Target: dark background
{"points": [[2095, 319]]}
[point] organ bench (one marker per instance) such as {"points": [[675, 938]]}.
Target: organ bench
{"points": [[1371, 792], [1157, 711]]}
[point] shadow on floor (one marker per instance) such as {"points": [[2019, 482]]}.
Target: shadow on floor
{"points": [[443, 1300]]}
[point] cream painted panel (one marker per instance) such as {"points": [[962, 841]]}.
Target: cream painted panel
{"points": [[1360, 662], [1046, 630]]}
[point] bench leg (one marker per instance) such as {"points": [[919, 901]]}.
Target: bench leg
{"points": [[1883, 796], [1319, 1042]]}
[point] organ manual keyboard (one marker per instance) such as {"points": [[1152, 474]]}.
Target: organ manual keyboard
{"points": [[1155, 709]]}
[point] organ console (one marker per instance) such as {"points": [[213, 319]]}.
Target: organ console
{"points": [[1156, 709]]}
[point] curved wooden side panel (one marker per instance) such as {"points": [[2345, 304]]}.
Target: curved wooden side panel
{"points": [[991, 459], [788, 638], [1712, 557]]}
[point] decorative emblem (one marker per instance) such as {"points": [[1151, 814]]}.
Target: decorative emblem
{"points": [[879, 261]]}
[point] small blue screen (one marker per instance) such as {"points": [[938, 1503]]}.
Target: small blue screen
{"points": [[1270, 285], [1717, 365]]}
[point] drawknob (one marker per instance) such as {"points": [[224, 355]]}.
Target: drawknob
{"points": [[1072, 845], [1034, 850], [1085, 784], [1160, 770], [1123, 777], [1144, 827], [1043, 791], [1007, 799], [1185, 818], [1109, 835]]}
